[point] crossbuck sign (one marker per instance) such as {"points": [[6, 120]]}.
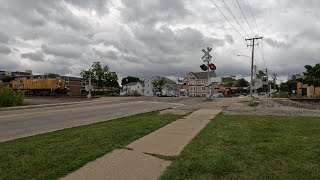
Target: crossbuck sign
{"points": [[207, 53]]}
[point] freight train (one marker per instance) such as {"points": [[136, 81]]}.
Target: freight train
{"points": [[49, 84]]}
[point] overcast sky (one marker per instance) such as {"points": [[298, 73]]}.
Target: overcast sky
{"points": [[156, 37]]}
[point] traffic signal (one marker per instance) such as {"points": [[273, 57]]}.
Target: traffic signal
{"points": [[212, 67], [204, 67]]}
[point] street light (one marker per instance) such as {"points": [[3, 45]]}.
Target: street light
{"points": [[244, 56], [127, 86]]}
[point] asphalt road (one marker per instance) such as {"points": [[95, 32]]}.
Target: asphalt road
{"points": [[22, 123]]}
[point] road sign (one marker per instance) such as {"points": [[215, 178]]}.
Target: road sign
{"points": [[207, 53], [214, 80], [257, 84], [89, 88]]}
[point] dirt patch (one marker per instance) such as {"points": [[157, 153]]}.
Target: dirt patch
{"points": [[175, 112]]}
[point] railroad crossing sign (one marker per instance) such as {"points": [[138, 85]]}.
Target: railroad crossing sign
{"points": [[207, 53], [257, 84], [89, 87]]}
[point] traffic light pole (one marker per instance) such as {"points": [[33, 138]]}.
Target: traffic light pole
{"points": [[209, 85], [207, 58]]}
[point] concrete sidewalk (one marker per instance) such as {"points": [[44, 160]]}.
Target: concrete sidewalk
{"points": [[136, 163]]}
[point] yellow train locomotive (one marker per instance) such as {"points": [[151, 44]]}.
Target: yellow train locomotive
{"points": [[40, 85]]}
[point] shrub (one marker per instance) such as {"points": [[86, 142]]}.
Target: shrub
{"points": [[281, 95], [18, 98], [10, 98], [6, 96], [136, 94], [1, 84], [253, 104]]}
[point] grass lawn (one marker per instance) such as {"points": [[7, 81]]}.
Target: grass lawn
{"points": [[52, 155], [252, 147]]}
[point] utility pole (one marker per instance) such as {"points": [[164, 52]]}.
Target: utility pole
{"points": [[209, 77], [252, 59], [127, 87], [268, 90], [255, 77], [274, 77], [89, 87]]}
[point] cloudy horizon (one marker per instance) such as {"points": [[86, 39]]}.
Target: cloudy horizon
{"points": [[143, 38]]}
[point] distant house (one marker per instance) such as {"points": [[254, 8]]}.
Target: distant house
{"points": [[132, 88], [195, 84], [169, 89]]}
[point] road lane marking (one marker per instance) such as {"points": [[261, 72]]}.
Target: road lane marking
{"points": [[58, 110], [63, 110]]}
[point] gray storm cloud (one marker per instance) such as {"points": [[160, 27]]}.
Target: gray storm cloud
{"points": [[154, 37]]}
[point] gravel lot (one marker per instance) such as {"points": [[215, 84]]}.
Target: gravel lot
{"points": [[280, 107]]}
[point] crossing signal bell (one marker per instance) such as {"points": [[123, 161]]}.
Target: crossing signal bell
{"points": [[212, 67], [204, 67]]}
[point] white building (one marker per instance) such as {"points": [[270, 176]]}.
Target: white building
{"points": [[169, 89], [131, 88], [196, 84]]}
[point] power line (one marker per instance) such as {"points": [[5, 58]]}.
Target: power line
{"points": [[253, 16], [262, 55], [227, 19], [245, 17], [235, 18], [259, 62]]}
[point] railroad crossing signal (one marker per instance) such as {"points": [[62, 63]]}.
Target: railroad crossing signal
{"points": [[204, 67], [212, 67], [207, 53]]}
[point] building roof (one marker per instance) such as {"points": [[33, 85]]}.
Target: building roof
{"points": [[204, 75], [169, 81], [71, 78]]}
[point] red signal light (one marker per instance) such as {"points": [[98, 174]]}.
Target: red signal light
{"points": [[212, 67]]}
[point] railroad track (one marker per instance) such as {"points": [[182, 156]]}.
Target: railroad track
{"points": [[311, 100]]}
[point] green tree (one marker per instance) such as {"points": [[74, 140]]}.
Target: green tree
{"points": [[101, 75], [229, 81], [290, 85], [7, 78], [158, 84], [242, 83], [129, 79], [262, 75], [312, 76]]}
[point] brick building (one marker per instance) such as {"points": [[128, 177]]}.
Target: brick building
{"points": [[75, 85], [305, 90]]}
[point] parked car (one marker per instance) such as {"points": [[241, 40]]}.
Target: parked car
{"points": [[217, 95], [241, 96]]}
